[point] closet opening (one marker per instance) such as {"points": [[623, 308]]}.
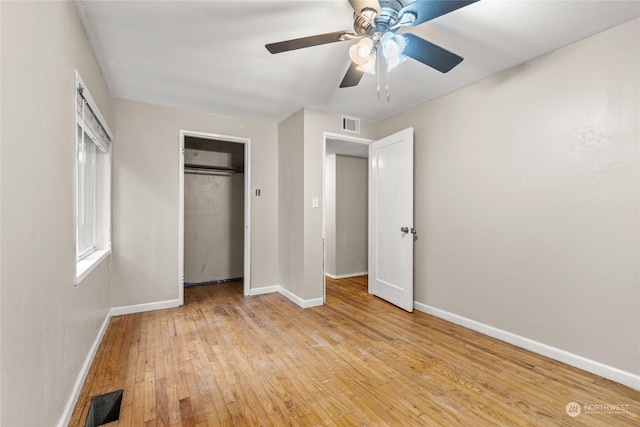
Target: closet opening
{"points": [[214, 211]]}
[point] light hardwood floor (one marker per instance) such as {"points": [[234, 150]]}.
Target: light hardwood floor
{"points": [[226, 360]]}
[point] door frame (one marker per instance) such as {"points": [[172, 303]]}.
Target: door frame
{"points": [[325, 137], [247, 204]]}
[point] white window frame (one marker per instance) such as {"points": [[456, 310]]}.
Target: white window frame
{"points": [[82, 252], [101, 249]]}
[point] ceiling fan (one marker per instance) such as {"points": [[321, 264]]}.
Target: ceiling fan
{"points": [[379, 48]]}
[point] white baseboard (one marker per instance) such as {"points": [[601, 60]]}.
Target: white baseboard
{"points": [[301, 302], [140, 308], [82, 376], [627, 378], [264, 290], [287, 294], [346, 276]]}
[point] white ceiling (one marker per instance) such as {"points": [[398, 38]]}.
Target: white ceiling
{"points": [[209, 55]]}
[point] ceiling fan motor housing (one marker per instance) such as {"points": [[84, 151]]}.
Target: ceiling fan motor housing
{"points": [[363, 24], [388, 15], [374, 22]]}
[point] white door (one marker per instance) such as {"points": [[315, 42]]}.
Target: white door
{"points": [[391, 219]]}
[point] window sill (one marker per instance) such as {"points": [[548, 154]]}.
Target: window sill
{"points": [[87, 264]]}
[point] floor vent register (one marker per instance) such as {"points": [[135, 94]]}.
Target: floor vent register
{"points": [[104, 409]]}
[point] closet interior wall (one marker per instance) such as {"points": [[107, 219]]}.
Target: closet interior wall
{"points": [[346, 215], [213, 211]]}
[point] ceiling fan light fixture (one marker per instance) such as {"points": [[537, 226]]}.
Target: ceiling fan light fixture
{"points": [[360, 52], [395, 61], [392, 47], [368, 66]]}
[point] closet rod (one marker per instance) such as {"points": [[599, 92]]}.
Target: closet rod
{"points": [[193, 167], [208, 172]]}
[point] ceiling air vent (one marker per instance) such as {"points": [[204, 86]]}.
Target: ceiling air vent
{"points": [[350, 124]]}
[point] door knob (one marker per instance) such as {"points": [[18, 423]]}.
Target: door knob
{"points": [[405, 229]]}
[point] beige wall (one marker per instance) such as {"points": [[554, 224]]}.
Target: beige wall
{"points": [[527, 203], [145, 198], [290, 193], [527, 199], [301, 141], [48, 324], [315, 124]]}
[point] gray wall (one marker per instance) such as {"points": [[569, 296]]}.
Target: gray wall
{"points": [[48, 324], [213, 212], [352, 215], [527, 199], [145, 198], [346, 215]]}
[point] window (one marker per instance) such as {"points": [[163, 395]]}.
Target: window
{"points": [[93, 183]]}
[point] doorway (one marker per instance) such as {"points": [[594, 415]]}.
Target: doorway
{"points": [[345, 213], [214, 212]]}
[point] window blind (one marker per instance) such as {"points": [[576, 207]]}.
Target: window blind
{"points": [[91, 124]]}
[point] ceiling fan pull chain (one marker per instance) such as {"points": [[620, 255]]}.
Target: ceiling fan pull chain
{"points": [[383, 68], [386, 85]]}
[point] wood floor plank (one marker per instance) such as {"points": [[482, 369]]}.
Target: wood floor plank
{"points": [[125, 416], [228, 360], [137, 407], [173, 402], [186, 413], [150, 401]]}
